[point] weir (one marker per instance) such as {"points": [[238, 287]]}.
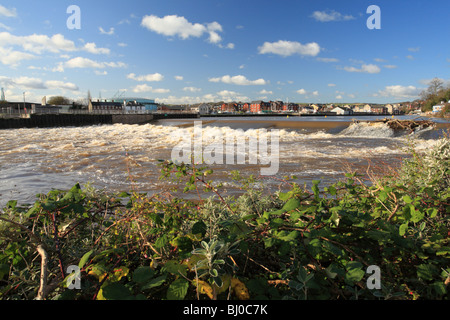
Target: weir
{"points": [[80, 120]]}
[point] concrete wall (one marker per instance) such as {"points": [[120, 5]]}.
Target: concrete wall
{"points": [[72, 120]]}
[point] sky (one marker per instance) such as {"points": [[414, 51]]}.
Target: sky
{"points": [[186, 52]]}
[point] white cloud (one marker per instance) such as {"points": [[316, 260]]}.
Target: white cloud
{"points": [[146, 88], [55, 84], [264, 91], [3, 26], [122, 44], [390, 66], [414, 49], [191, 89], [109, 33], [154, 77], [228, 96], [12, 58], [173, 25], [92, 48], [365, 68], [338, 97], [331, 85], [288, 48], [9, 13], [301, 91], [410, 57], [238, 80], [399, 91], [327, 59], [179, 78], [29, 83], [351, 95], [315, 93], [37, 83], [80, 62], [327, 16], [40, 43], [379, 60]]}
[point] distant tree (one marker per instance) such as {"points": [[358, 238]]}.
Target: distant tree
{"points": [[59, 100], [434, 94]]}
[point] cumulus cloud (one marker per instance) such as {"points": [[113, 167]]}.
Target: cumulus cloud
{"points": [[301, 91], [264, 91], [365, 68], [238, 80], [81, 62], [327, 16], [37, 44], [154, 77], [146, 88], [9, 13], [173, 25], [179, 78], [288, 48], [399, 91], [12, 57], [92, 48], [109, 33], [37, 83], [191, 89]]}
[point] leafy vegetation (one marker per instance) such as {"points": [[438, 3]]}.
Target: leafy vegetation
{"points": [[294, 243]]}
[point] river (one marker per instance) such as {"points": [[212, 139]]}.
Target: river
{"points": [[120, 157]]}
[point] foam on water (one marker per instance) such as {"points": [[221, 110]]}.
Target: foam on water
{"points": [[62, 156]]}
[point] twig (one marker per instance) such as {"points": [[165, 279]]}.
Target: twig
{"points": [[44, 273]]}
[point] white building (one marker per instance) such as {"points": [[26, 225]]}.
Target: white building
{"points": [[202, 109], [341, 110]]}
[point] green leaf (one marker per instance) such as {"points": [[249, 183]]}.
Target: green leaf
{"points": [[143, 274], [4, 270], [178, 289], [407, 199], [161, 242], [84, 259], [284, 196], [11, 204], [199, 228], [291, 205], [116, 291], [155, 282], [174, 268], [402, 229], [287, 236], [354, 272], [426, 271]]}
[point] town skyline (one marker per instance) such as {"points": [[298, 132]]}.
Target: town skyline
{"points": [[213, 51]]}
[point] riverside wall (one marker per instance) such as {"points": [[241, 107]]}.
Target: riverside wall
{"points": [[79, 120]]}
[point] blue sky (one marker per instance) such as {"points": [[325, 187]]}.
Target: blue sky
{"points": [[179, 51]]}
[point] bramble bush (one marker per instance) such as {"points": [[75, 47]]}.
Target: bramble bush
{"points": [[292, 243]]}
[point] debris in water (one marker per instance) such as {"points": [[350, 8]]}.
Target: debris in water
{"points": [[404, 125]]}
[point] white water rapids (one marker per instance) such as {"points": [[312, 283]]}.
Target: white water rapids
{"points": [[36, 160]]}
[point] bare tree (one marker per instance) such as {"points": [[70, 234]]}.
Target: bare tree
{"points": [[435, 85]]}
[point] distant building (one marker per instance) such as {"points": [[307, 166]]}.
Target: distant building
{"points": [[342, 110], [148, 104], [379, 109], [259, 106], [438, 108], [105, 106], [202, 109]]}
